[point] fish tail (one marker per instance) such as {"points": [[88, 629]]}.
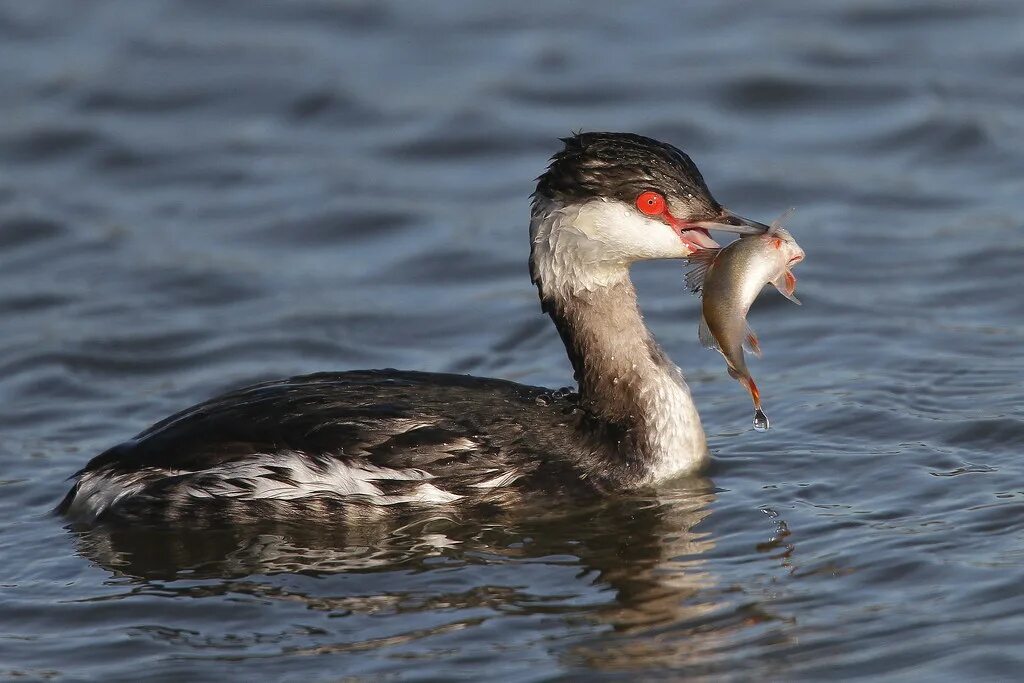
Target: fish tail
{"points": [[755, 393], [748, 383], [761, 422]]}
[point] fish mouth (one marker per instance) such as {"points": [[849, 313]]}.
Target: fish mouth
{"points": [[727, 221]]}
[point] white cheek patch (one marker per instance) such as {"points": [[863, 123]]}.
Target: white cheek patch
{"points": [[627, 235], [591, 246]]}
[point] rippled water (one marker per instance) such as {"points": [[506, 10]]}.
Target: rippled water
{"points": [[198, 195]]}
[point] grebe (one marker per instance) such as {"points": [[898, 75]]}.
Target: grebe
{"points": [[377, 440]]}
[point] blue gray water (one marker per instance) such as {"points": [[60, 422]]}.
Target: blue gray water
{"points": [[198, 195]]}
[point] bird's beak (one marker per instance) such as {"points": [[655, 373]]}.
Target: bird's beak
{"points": [[727, 221]]}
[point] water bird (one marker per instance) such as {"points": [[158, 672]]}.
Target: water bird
{"points": [[367, 443]]}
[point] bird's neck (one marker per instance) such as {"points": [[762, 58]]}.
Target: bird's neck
{"points": [[624, 377]]}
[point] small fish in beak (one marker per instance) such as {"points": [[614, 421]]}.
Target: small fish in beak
{"points": [[728, 280]]}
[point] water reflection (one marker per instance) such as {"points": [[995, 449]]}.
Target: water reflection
{"points": [[629, 565]]}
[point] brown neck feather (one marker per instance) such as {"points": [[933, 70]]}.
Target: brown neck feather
{"points": [[610, 348]]}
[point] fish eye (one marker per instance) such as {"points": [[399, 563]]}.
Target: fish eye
{"points": [[651, 203]]}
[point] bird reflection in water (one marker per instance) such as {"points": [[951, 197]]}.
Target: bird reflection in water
{"points": [[632, 567]]}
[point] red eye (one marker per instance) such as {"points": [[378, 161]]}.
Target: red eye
{"points": [[651, 203]]}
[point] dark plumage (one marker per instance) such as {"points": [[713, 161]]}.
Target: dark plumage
{"points": [[463, 430]]}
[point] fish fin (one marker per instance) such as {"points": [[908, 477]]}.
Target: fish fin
{"points": [[733, 373], [700, 263], [783, 217], [786, 284], [750, 341], [707, 339]]}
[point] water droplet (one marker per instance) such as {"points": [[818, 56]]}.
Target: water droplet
{"points": [[562, 393], [760, 421], [543, 400]]}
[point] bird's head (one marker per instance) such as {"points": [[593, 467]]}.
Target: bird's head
{"points": [[610, 199]]}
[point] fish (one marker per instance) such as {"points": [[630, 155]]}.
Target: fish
{"points": [[728, 280]]}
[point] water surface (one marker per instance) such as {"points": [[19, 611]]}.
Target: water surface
{"points": [[195, 196]]}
